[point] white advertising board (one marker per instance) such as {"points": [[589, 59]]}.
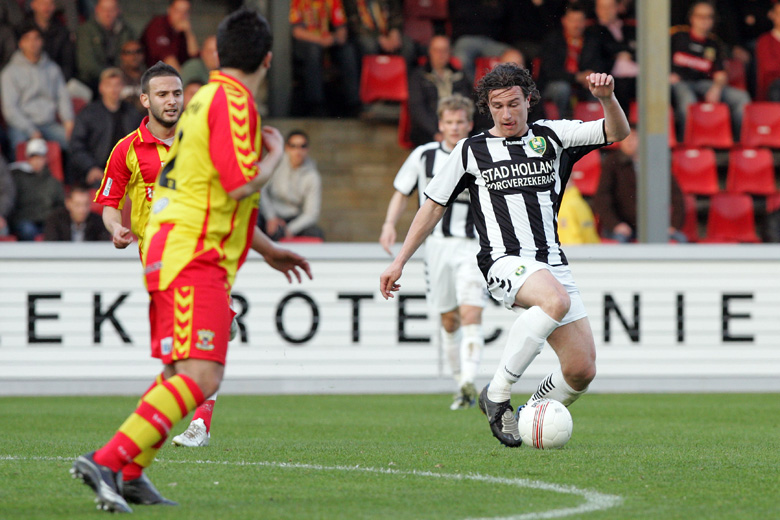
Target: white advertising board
{"points": [[74, 319]]}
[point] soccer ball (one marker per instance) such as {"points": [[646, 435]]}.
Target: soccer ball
{"points": [[545, 424]]}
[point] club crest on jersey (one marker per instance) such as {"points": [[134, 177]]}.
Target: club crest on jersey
{"points": [[538, 145], [520, 270], [205, 340]]}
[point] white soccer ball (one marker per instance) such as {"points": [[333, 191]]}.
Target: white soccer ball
{"points": [[545, 424]]}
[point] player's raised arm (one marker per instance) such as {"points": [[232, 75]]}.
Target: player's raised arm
{"points": [[424, 221], [602, 86]]}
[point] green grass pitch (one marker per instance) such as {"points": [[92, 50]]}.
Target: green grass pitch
{"points": [[410, 457]]}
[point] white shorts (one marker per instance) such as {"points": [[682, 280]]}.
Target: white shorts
{"points": [[509, 273], [452, 275]]}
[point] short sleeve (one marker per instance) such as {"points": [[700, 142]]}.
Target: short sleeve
{"points": [[408, 176], [232, 146], [578, 133], [450, 180], [116, 176]]}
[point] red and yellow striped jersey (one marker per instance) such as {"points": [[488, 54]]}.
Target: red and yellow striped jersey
{"points": [[131, 170], [197, 234]]}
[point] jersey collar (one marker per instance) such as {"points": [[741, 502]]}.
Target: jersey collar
{"points": [[145, 135], [220, 77]]}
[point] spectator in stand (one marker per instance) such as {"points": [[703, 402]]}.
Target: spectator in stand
{"points": [[189, 90], [37, 192], [428, 83], [200, 67], [697, 68], [377, 27], [576, 223], [169, 37], [560, 74], [34, 95], [99, 41], [610, 45], [98, 128], [320, 27], [615, 200], [478, 29], [768, 60], [75, 222], [290, 201], [133, 66], [11, 16], [57, 40], [7, 196]]}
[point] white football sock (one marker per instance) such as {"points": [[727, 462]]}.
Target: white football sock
{"points": [[554, 386], [470, 352], [449, 343], [525, 342]]}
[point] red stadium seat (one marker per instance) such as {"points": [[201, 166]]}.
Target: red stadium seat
{"points": [[420, 30], [708, 124], [483, 65], [731, 219], [405, 127], [751, 171], [53, 158], [431, 9], [383, 78], [691, 225], [78, 105], [761, 125], [588, 111], [551, 109], [302, 240], [587, 172], [735, 69], [695, 170]]}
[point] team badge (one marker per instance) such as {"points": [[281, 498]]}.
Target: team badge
{"points": [[166, 345], [205, 340], [538, 145], [520, 270]]}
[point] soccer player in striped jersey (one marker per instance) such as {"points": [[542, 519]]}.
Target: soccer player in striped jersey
{"points": [[516, 175], [454, 286], [200, 229]]}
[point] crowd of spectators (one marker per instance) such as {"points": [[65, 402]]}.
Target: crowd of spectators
{"points": [[73, 78]]}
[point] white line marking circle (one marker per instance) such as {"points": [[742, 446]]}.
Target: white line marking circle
{"points": [[594, 501]]}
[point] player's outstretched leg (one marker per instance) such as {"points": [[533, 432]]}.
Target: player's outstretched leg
{"points": [[502, 421], [103, 482], [198, 433], [142, 491]]}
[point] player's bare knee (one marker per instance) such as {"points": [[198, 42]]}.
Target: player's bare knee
{"points": [[556, 304], [579, 376], [450, 321]]}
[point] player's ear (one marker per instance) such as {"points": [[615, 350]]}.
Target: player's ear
{"points": [[267, 60], [145, 101]]}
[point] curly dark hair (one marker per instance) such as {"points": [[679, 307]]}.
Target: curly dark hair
{"points": [[505, 76]]}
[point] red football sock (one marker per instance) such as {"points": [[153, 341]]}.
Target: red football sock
{"points": [[204, 412]]}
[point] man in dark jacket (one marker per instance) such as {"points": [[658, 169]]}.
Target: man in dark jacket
{"points": [[75, 222], [560, 73], [427, 84], [37, 192], [98, 128]]}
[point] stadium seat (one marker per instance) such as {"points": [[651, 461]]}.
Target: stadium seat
{"points": [[78, 105], [405, 127], [420, 30], [587, 172], [708, 124], [302, 240], [761, 125], [735, 69], [751, 171], [731, 219], [695, 170], [588, 111], [383, 78], [431, 9], [551, 109], [691, 225], [483, 65], [633, 118], [53, 158], [8, 238]]}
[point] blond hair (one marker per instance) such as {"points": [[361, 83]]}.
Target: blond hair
{"points": [[456, 102]]}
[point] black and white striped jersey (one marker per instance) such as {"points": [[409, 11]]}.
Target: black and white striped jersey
{"points": [[417, 171], [515, 186]]}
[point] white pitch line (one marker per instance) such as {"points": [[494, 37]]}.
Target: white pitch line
{"points": [[594, 501]]}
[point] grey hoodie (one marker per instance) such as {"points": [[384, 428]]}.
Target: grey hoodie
{"points": [[33, 93]]}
